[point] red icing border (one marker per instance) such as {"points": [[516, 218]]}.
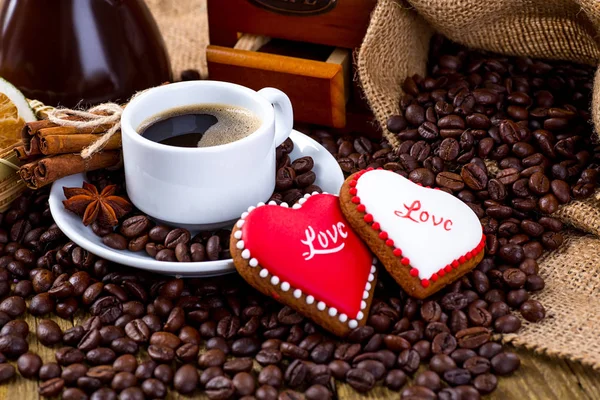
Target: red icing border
{"points": [[368, 218]]}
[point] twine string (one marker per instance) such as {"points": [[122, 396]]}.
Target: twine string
{"points": [[103, 114]]}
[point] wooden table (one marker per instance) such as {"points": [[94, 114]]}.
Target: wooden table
{"points": [[539, 377]]}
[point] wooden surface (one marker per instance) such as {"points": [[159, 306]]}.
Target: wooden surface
{"points": [[538, 378], [343, 26]]}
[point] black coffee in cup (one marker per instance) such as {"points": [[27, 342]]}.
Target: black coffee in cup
{"points": [[202, 125]]}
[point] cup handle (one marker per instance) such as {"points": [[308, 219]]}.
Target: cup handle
{"points": [[284, 114]]}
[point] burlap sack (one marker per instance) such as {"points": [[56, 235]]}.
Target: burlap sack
{"points": [[396, 46], [184, 27]]}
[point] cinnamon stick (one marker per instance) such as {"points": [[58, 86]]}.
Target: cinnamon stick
{"points": [[47, 170], [61, 144], [71, 130]]}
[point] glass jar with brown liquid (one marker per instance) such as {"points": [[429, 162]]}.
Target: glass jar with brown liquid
{"points": [[69, 52]]}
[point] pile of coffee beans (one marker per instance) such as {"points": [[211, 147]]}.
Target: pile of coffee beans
{"points": [[508, 136], [163, 243]]}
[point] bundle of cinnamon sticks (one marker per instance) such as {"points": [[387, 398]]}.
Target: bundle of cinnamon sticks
{"points": [[52, 151]]}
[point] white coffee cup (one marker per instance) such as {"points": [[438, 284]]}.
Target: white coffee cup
{"points": [[203, 187]]}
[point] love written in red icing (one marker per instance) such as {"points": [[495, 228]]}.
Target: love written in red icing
{"points": [[412, 213]]}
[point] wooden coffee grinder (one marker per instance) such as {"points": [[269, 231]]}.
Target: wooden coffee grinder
{"points": [[302, 47]]}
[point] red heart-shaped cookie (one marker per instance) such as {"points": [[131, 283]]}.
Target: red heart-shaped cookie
{"points": [[308, 258]]}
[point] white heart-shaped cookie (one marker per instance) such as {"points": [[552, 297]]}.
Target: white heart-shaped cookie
{"points": [[426, 237]]}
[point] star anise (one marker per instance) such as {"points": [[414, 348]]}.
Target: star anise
{"points": [[104, 207]]}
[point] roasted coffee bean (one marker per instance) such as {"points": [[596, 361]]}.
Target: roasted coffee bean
{"points": [[296, 374], [13, 346], [122, 381], [176, 236], [14, 306], [153, 388], [376, 368], [317, 392], [441, 363], [52, 387], [408, 361], [507, 324], [212, 358], [471, 338], [110, 333], [245, 347], [450, 180], [532, 311], [72, 336], [477, 365], [270, 375], [145, 370], [135, 226], [443, 343], [268, 356], [395, 379], [15, 328], [115, 241], [101, 355], [90, 340], [126, 363], [505, 363], [124, 345], [47, 371], [461, 355], [103, 373], [29, 365], [219, 388], [164, 373], [71, 373], [186, 379], [360, 380]]}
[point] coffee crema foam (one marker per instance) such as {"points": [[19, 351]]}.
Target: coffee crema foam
{"points": [[232, 122]]}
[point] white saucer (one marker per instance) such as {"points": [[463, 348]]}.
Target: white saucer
{"points": [[329, 178]]}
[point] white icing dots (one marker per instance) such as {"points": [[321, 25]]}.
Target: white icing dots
{"points": [[365, 295], [272, 203], [244, 214], [297, 206], [240, 223], [314, 193], [373, 269], [301, 201], [352, 323], [260, 204], [297, 293], [363, 304], [371, 277], [284, 205], [285, 286], [240, 244], [237, 234], [263, 273], [321, 306], [368, 286], [253, 262], [274, 280], [246, 254], [310, 299], [251, 208], [360, 315], [332, 312], [343, 317]]}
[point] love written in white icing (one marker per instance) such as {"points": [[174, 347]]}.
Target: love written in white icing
{"points": [[415, 214], [324, 242]]}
